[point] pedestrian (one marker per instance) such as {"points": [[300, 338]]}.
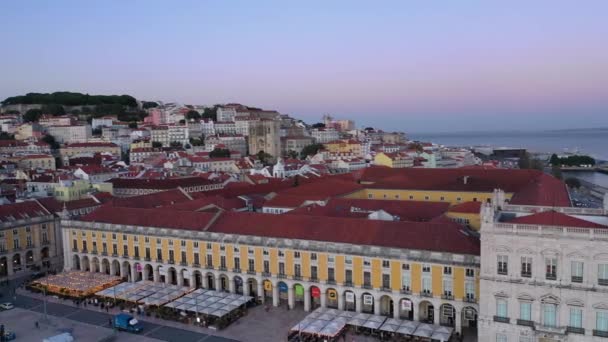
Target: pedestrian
{"points": [[37, 325], [107, 308], [110, 321]]}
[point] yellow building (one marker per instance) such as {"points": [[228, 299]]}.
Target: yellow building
{"points": [[29, 239], [393, 160], [34, 161], [420, 271], [77, 149], [344, 147], [70, 190]]}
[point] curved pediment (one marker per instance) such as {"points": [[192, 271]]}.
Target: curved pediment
{"points": [[575, 302], [525, 296], [550, 299], [576, 255], [601, 306], [601, 256], [501, 294], [550, 252], [525, 250]]}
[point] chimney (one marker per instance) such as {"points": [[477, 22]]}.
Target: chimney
{"points": [[465, 180]]}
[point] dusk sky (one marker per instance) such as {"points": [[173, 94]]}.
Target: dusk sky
{"points": [[418, 66]]}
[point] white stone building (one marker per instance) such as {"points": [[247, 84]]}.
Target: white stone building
{"points": [[70, 133], [544, 273], [325, 135]]}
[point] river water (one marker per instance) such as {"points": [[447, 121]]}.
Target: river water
{"points": [[596, 178]]}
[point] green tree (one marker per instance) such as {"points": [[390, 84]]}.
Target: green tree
{"points": [[219, 153], [157, 144], [193, 115], [53, 109], [310, 150], [573, 182], [133, 124], [554, 159], [86, 110], [210, 113], [49, 139], [176, 144], [556, 171], [292, 154], [32, 115], [6, 136], [13, 112], [318, 125], [149, 104], [265, 158]]}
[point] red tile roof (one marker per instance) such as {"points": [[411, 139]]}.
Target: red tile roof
{"points": [[286, 201], [55, 206], [189, 220], [530, 187], [473, 207], [553, 218], [416, 211], [322, 188], [155, 200], [146, 183], [444, 236], [22, 210], [90, 144]]}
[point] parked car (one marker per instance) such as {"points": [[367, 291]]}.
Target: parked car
{"points": [[7, 306], [126, 322]]}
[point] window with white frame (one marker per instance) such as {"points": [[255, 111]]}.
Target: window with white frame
{"points": [[551, 268], [576, 317], [447, 287], [426, 268], [526, 266], [525, 311], [469, 289], [549, 312], [406, 281], [602, 274], [524, 338], [500, 337], [576, 270], [502, 264], [426, 285], [501, 308], [601, 321]]}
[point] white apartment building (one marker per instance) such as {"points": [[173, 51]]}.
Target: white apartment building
{"points": [[70, 134], [178, 133], [208, 127], [160, 134], [105, 121], [226, 113], [242, 125], [544, 273], [325, 135], [225, 127]]}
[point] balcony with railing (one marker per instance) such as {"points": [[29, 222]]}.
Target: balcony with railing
{"points": [[575, 330], [406, 290], [600, 333], [576, 279], [525, 322], [602, 282], [426, 293], [501, 319]]}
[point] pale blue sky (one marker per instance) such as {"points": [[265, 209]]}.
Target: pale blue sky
{"points": [[413, 65]]}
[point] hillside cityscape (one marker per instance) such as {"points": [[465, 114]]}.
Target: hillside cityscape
{"points": [[319, 171]]}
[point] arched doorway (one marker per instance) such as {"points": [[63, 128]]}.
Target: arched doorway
{"points": [[29, 258], [198, 279], [298, 294], [45, 256], [149, 272], [367, 303], [126, 270], [224, 283], [172, 276], [116, 267], [76, 262], [331, 296], [252, 285], [283, 292], [238, 285], [3, 267], [86, 266], [105, 266], [267, 289], [350, 301], [184, 275], [426, 312], [469, 320], [315, 297], [138, 272], [95, 264], [406, 309], [210, 281], [447, 315], [386, 306], [16, 262]]}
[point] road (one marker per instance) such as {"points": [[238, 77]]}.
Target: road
{"points": [[102, 319]]}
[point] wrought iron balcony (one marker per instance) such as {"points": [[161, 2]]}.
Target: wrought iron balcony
{"points": [[501, 319]]}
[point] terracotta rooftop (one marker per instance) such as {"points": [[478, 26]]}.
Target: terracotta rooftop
{"points": [[444, 236], [22, 210], [155, 200], [146, 183], [472, 207], [553, 218]]}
